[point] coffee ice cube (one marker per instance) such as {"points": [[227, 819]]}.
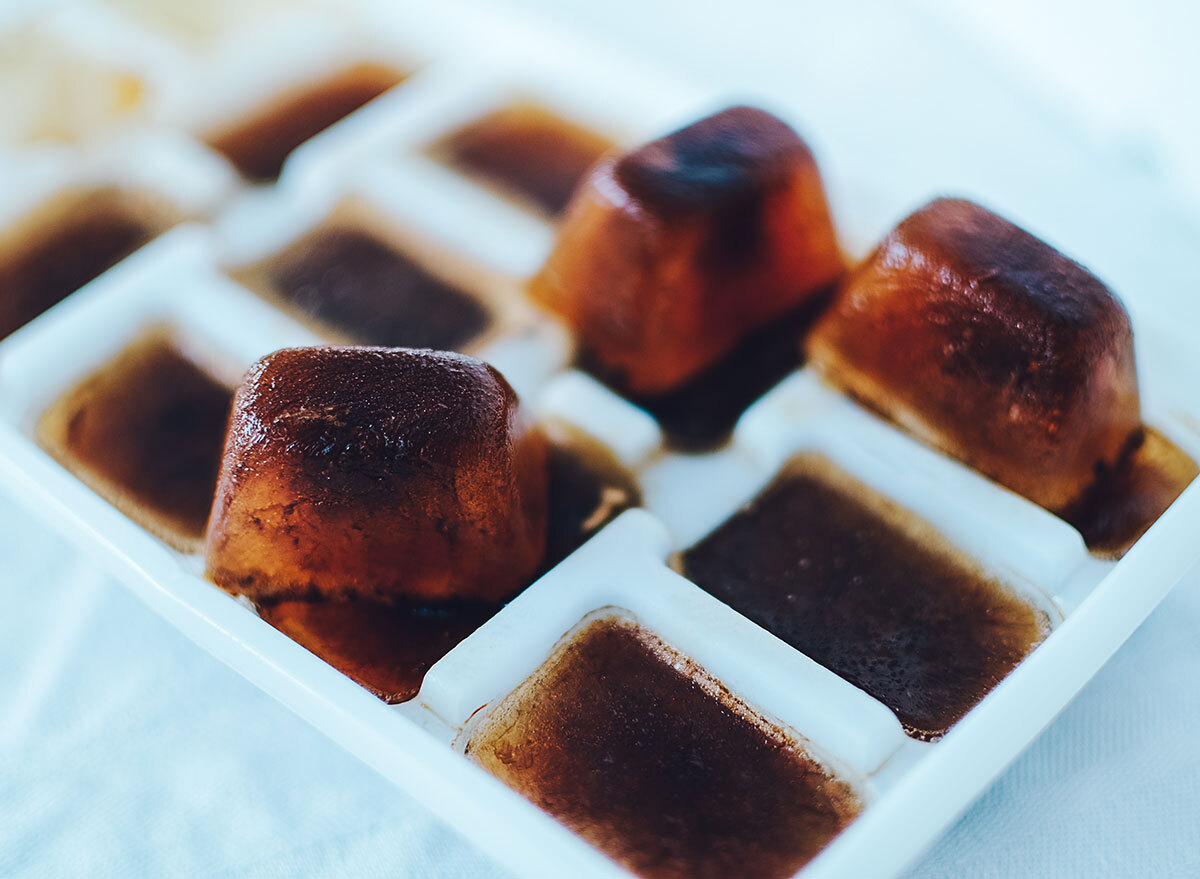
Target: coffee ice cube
{"points": [[1122, 504], [990, 345], [670, 254], [377, 473]]}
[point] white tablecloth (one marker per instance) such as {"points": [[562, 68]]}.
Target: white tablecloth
{"points": [[127, 751]]}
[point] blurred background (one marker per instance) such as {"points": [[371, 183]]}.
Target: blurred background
{"points": [[1124, 72]]}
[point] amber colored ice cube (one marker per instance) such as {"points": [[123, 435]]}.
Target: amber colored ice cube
{"points": [[145, 431], [526, 150], [869, 591], [259, 144], [639, 751], [377, 473], [990, 345], [670, 254]]}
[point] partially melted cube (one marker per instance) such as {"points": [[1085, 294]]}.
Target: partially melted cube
{"points": [[671, 254], [357, 287], [637, 749], [990, 345], [870, 592], [145, 431], [383, 473]]}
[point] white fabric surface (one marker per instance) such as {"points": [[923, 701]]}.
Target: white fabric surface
{"points": [[127, 751]]}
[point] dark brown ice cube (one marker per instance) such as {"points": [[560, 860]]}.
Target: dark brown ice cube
{"points": [[990, 345], [870, 592], [356, 287], [639, 751], [672, 254], [146, 431], [383, 473], [259, 144]]}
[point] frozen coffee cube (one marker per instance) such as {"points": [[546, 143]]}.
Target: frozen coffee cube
{"points": [[669, 255], [377, 473], [259, 144], [990, 345], [525, 151]]}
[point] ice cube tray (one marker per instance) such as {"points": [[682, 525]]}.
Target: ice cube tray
{"points": [[374, 163]]}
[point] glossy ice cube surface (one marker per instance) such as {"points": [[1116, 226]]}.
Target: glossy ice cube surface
{"points": [[378, 473], [671, 254], [990, 345]]}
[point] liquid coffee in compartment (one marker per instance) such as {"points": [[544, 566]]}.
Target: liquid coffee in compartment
{"points": [[386, 648], [360, 289], [634, 747], [588, 489], [526, 151], [1122, 504], [145, 432], [870, 592], [67, 243], [259, 145], [700, 414]]}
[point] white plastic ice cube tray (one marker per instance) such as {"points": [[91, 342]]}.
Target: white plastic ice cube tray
{"points": [[373, 158]]}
